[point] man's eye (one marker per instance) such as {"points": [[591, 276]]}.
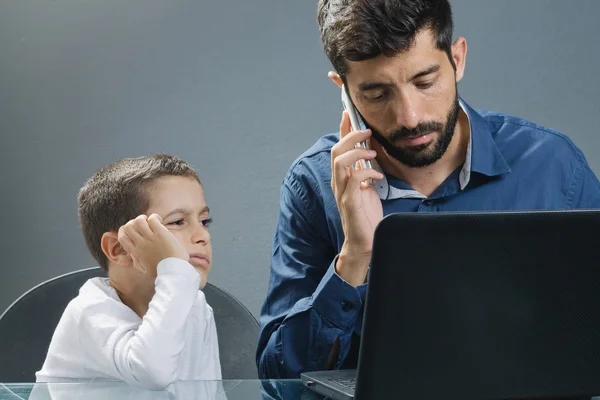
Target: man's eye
{"points": [[376, 98], [424, 85]]}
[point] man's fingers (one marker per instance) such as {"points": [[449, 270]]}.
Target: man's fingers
{"points": [[345, 125], [348, 142], [354, 183], [351, 157], [343, 167]]}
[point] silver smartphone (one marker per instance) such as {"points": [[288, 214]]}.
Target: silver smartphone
{"points": [[356, 122]]}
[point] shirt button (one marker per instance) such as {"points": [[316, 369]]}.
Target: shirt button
{"points": [[347, 306]]}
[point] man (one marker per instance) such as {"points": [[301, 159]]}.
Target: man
{"points": [[430, 151]]}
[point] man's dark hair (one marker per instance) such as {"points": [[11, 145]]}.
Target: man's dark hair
{"points": [[359, 30]]}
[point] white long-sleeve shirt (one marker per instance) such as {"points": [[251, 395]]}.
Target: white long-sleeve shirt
{"points": [[100, 338]]}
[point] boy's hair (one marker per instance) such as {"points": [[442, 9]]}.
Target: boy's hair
{"points": [[359, 30], [117, 193]]}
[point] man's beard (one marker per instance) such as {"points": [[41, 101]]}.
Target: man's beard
{"points": [[424, 154]]}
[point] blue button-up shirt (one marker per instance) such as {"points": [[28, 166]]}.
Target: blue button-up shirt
{"points": [[511, 164]]}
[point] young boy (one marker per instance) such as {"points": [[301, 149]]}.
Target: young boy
{"points": [[145, 221]]}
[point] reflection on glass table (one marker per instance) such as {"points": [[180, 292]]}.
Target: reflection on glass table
{"points": [[197, 390]]}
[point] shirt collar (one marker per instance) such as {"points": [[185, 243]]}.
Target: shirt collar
{"points": [[486, 157]]}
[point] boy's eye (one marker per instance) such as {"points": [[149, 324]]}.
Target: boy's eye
{"points": [[177, 222], [206, 222]]}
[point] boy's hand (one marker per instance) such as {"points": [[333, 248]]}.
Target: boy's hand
{"points": [[149, 242]]}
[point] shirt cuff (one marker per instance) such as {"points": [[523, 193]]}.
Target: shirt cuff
{"points": [[336, 300], [178, 267]]}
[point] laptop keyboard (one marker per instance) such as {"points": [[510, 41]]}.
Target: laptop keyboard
{"points": [[350, 383]]}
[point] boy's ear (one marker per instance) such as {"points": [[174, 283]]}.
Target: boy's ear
{"points": [[112, 249]]}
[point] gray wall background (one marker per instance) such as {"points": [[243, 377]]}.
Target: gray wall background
{"points": [[239, 89]]}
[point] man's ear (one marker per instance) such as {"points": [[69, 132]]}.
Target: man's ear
{"points": [[112, 249], [336, 78], [459, 56]]}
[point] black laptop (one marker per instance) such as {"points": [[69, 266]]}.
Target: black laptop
{"points": [[478, 306]]}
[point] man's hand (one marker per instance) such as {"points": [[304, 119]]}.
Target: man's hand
{"points": [[149, 242], [358, 202]]}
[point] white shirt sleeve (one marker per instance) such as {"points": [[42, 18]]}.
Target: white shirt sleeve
{"points": [[145, 354]]}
